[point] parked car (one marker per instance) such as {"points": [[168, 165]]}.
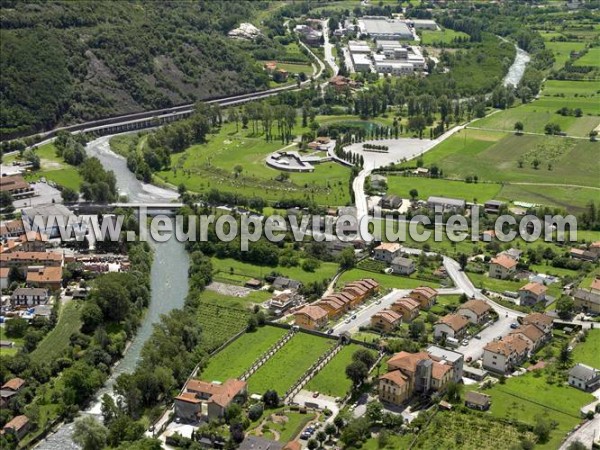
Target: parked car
{"points": [[330, 331], [478, 336], [514, 325], [316, 394], [465, 342], [305, 436], [354, 317]]}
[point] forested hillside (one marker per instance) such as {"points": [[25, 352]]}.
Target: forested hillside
{"points": [[63, 62]]}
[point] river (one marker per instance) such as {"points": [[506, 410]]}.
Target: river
{"points": [[517, 69], [168, 279]]}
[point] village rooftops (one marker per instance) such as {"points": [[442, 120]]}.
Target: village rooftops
{"points": [[395, 376], [443, 354], [45, 275], [507, 345], [315, 313], [20, 292], [504, 261], [425, 291], [454, 321], [189, 398], [388, 315], [538, 319], [17, 423], [14, 384], [31, 257], [479, 307], [530, 331], [535, 288], [408, 303], [391, 247]]}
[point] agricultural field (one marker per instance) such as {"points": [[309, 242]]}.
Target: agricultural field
{"points": [[527, 396], [289, 364], [444, 37], [492, 284], [386, 281], [219, 323], [243, 271], [206, 166], [469, 431], [332, 379], [237, 357], [588, 352], [562, 50], [58, 339], [591, 58]]}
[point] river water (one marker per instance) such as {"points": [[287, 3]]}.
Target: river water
{"points": [[168, 279], [170, 266]]}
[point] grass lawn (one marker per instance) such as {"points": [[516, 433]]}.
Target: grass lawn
{"points": [[290, 429], [211, 165], [591, 58], [57, 340], [4, 351], [588, 352], [243, 271], [332, 379], [386, 281], [288, 364], [236, 358], [401, 185], [525, 397], [562, 51], [447, 36]]}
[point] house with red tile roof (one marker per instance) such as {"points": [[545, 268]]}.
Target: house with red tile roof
{"points": [[425, 295], [502, 267], [45, 277], [504, 355], [407, 307], [18, 426], [209, 400], [477, 311], [532, 293], [386, 320], [312, 317], [451, 326]]}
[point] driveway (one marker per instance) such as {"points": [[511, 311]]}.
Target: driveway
{"points": [[323, 401]]}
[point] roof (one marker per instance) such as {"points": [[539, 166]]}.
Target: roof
{"points": [[438, 370], [476, 398], [45, 275], [31, 236], [425, 291], [14, 384], [538, 319], [29, 291], [4, 271], [17, 423], [408, 303], [54, 209], [313, 312], [188, 397], [402, 261], [536, 288], [507, 345], [406, 361], [584, 372], [228, 391], [454, 321], [202, 386], [259, 443], [530, 331], [388, 315], [479, 307], [31, 256], [443, 353], [396, 377], [446, 201], [596, 284], [13, 183], [505, 261], [389, 247], [587, 295]]}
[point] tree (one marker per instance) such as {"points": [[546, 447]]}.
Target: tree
{"points": [[463, 260], [255, 411], [321, 437], [542, 428], [89, 434], [375, 411], [564, 356], [357, 371], [5, 199], [519, 127], [312, 444], [330, 429], [16, 327], [414, 194], [233, 413], [271, 399], [91, 316], [453, 391], [564, 306], [364, 356], [238, 169], [252, 324], [347, 258], [536, 163], [69, 195], [338, 421]]}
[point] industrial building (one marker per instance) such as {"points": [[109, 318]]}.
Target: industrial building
{"points": [[379, 27]]}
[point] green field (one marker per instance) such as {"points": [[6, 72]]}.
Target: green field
{"points": [[430, 37], [211, 165], [588, 352], [332, 379], [288, 364], [426, 187], [591, 58], [492, 284], [524, 397], [386, 281], [237, 357], [4, 351], [219, 323], [562, 51], [57, 340], [242, 271]]}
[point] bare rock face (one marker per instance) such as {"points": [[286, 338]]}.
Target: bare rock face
{"points": [[245, 31]]}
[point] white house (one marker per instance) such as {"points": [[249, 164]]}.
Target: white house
{"points": [[476, 311], [451, 326], [387, 251], [403, 266], [29, 297], [584, 377]]}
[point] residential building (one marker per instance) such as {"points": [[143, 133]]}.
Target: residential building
{"points": [[11, 228], [391, 201], [426, 296], [502, 267], [534, 336], [283, 301], [334, 306], [476, 311], [412, 373], [587, 300], [16, 186], [209, 400], [282, 283], [452, 358], [584, 377], [505, 354], [408, 308], [311, 317], [403, 266], [451, 326], [29, 297], [542, 321], [532, 293], [513, 253], [4, 278], [18, 426], [595, 248], [45, 277], [387, 251], [476, 400], [583, 254], [251, 442], [23, 260], [386, 320], [446, 204], [9, 390]]}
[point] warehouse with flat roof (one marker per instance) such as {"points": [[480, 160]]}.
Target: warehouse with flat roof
{"points": [[383, 28]]}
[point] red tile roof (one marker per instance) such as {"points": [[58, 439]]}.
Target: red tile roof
{"points": [[454, 321], [312, 311], [479, 307], [14, 384], [396, 377], [388, 315], [505, 261], [536, 288], [426, 291], [17, 423]]}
